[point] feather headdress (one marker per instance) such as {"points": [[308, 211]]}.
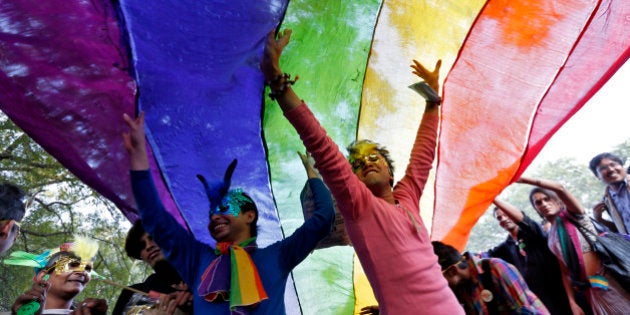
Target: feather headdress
{"points": [[83, 247], [222, 199]]}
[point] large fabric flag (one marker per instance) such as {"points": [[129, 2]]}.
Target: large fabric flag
{"points": [[514, 72], [505, 98]]}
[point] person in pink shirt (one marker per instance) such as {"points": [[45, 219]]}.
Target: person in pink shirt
{"points": [[382, 220]]}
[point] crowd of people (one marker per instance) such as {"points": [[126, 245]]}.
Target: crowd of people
{"points": [[538, 269]]}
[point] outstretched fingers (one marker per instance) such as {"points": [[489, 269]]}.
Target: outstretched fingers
{"points": [[283, 38], [270, 63], [431, 77]]}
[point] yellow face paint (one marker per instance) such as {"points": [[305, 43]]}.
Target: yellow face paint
{"points": [[361, 150], [358, 163]]}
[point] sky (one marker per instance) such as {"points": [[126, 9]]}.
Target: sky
{"points": [[598, 127]]}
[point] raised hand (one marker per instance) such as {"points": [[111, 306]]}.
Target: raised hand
{"points": [[135, 142], [309, 165], [270, 63], [432, 78]]}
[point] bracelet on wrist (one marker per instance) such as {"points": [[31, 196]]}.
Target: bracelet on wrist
{"points": [[279, 85]]}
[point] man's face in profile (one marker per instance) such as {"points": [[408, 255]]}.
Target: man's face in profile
{"points": [[8, 233]]}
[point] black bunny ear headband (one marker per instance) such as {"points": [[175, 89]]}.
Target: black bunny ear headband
{"points": [[223, 200]]}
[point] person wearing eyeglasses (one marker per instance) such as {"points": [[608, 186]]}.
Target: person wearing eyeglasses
{"points": [[382, 219], [11, 213], [486, 286], [608, 168], [526, 249]]}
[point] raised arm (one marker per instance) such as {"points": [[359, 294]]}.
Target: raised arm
{"points": [[309, 165], [423, 150], [511, 211], [305, 238], [278, 81], [432, 78], [179, 246], [135, 143], [573, 204]]}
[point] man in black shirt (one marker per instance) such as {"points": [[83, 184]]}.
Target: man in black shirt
{"points": [[526, 248], [164, 286]]}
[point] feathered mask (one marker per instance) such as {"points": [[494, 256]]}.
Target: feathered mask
{"points": [[223, 200], [82, 247]]}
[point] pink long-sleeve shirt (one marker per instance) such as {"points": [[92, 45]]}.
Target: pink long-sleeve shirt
{"points": [[395, 252]]}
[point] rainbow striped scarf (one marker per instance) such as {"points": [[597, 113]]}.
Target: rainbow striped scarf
{"points": [[233, 276]]}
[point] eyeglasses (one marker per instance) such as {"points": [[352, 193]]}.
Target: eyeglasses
{"points": [[610, 165], [358, 163], [452, 269]]}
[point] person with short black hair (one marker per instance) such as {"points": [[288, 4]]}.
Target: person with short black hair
{"points": [[165, 281], [382, 219], [526, 249], [260, 273], [608, 168], [486, 286], [12, 212]]}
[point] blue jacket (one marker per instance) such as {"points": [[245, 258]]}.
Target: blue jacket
{"points": [[191, 257]]}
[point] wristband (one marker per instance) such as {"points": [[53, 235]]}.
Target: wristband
{"points": [[427, 92]]}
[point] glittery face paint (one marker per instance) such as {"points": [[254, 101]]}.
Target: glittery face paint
{"points": [[358, 163], [362, 152], [71, 264], [231, 203]]}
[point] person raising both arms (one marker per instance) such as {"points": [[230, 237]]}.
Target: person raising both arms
{"points": [[382, 220], [232, 222]]}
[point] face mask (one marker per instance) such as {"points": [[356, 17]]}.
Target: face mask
{"points": [[231, 203], [71, 264]]}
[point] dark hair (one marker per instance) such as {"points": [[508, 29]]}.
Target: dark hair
{"points": [[447, 254], [247, 207], [598, 158], [352, 149], [549, 193], [494, 211], [133, 245], [11, 205]]}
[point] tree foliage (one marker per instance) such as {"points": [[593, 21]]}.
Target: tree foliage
{"points": [[59, 206]]}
